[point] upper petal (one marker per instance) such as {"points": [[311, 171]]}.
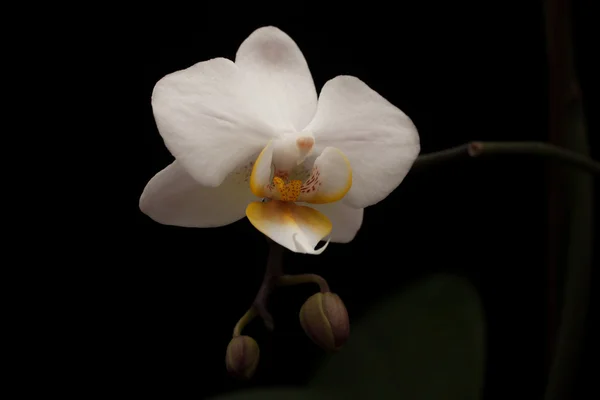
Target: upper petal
{"points": [[278, 67], [209, 120], [173, 197], [346, 220], [297, 228], [380, 141]]}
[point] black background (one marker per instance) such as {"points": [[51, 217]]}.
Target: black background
{"points": [[461, 73]]}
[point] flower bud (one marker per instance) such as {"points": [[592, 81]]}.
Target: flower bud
{"points": [[325, 320], [242, 356]]}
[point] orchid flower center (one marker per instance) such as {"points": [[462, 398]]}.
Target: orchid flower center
{"points": [[287, 172], [290, 176]]}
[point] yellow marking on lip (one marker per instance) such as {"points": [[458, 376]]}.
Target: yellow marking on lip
{"points": [[270, 217], [288, 191]]}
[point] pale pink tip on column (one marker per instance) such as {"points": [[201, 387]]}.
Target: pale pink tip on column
{"points": [[305, 142]]}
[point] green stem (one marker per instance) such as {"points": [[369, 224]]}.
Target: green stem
{"points": [[288, 280], [245, 320], [536, 149]]}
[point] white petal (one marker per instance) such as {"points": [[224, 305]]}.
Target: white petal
{"points": [[297, 228], [330, 178], [380, 141], [346, 220], [209, 119], [173, 197], [276, 64], [260, 178]]}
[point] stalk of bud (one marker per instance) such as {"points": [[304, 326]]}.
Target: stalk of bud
{"points": [[324, 319], [242, 356]]}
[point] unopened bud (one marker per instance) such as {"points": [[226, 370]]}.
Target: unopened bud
{"points": [[242, 356], [325, 320]]}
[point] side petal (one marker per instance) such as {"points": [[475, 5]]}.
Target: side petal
{"points": [[173, 197], [297, 228], [273, 60], [330, 179], [209, 120], [346, 220], [262, 173], [380, 141]]}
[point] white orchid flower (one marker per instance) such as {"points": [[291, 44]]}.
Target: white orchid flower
{"points": [[254, 128]]}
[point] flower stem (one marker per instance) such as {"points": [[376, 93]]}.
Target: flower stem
{"points": [[287, 280], [273, 271], [245, 320], [538, 149], [274, 277]]}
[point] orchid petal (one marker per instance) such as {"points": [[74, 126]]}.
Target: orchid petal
{"points": [[277, 66], [346, 220], [380, 141], [173, 197], [209, 119], [330, 179], [260, 178], [297, 228]]}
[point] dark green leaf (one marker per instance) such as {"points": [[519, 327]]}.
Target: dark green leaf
{"points": [[273, 394], [424, 342]]}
